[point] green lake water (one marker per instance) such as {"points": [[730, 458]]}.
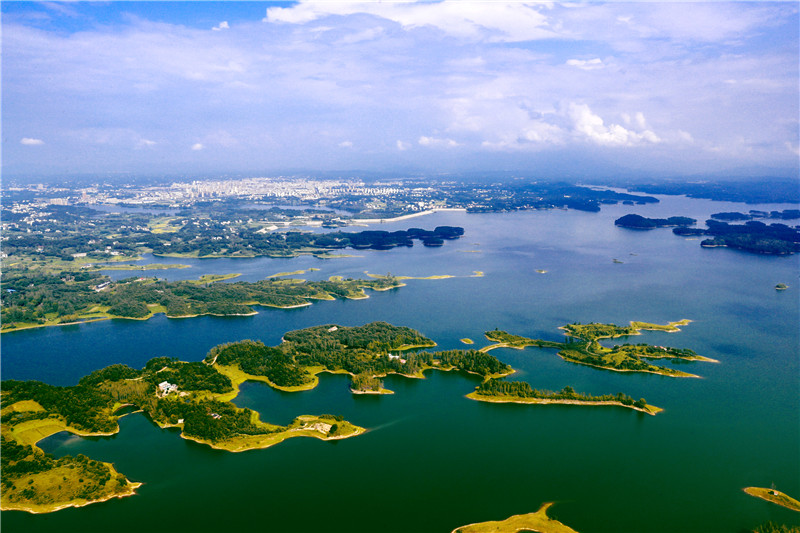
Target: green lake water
{"points": [[434, 460]]}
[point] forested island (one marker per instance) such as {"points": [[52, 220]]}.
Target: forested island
{"points": [[494, 390], [735, 216], [196, 398], [32, 299], [581, 346], [752, 236], [634, 221], [749, 191]]}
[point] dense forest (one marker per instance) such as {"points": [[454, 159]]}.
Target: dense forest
{"points": [[734, 216], [31, 297], [523, 389], [361, 350], [639, 222], [581, 346], [749, 191]]}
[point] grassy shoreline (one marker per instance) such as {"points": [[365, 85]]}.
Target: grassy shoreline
{"points": [[774, 496], [538, 521], [649, 409]]}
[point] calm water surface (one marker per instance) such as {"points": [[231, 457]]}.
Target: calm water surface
{"points": [[434, 460]]}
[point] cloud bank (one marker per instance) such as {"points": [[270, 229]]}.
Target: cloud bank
{"points": [[684, 87]]}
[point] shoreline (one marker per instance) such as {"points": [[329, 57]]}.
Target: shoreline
{"points": [[361, 221], [680, 375], [544, 401], [131, 491], [538, 521], [268, 440], [774, 496]]}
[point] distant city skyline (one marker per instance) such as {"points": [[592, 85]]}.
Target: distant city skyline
{"points": [[557, 90]]}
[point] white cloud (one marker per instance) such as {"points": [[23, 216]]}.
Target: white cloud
{"points": [[146, 142], [346, 144], [221, 26], [366, 35], [437, 143], [27, 141], [197, 147], [592, 126], [503, 22], [586, 64], [402, 146]]}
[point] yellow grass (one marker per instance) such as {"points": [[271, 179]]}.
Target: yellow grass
{"points": [[538, 521], [774, 496]]}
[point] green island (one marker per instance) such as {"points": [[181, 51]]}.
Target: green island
{"points": [[196, 397], [467, 340], [774, 496], [538, 521], [781, 287], [582, 347], [34, 299], [494, 390], [149, 266]]}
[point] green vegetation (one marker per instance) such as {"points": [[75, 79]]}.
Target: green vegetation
{"points": [[366, 383], [774, 496], [494, 390], [467, 340], [195, 396], [37, 482], [582, 347], [538, 521], [32, 299], [771, 527], [507, 340], [369, 351], [781, 287], [639, 222]]}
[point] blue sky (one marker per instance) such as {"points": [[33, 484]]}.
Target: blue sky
{"points": [[579, 89]]}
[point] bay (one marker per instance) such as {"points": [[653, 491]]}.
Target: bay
{"points": [[434, 460]]}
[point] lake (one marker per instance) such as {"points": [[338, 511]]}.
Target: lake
{"points": [[434, 460]]}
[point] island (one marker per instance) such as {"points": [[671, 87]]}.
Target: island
{"points": [[196, 398], [634, 221], [34, 299], [774, 496], [538, 521], [734, 216], [582, 347], [781, 287], [752, 236], [497, 391]]}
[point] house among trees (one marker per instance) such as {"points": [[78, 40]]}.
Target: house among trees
{"points": [[165, 387]]}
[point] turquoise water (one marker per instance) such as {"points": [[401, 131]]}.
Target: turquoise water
{"points": [[434, 460]]}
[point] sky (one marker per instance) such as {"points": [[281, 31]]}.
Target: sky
{"points": [[436, 87]]}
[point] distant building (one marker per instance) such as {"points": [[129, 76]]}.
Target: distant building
{"points": [[165, 387]]}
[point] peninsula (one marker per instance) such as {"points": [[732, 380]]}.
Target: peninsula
{"points": [[39, 299], [538, 521], [774, 496]]}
